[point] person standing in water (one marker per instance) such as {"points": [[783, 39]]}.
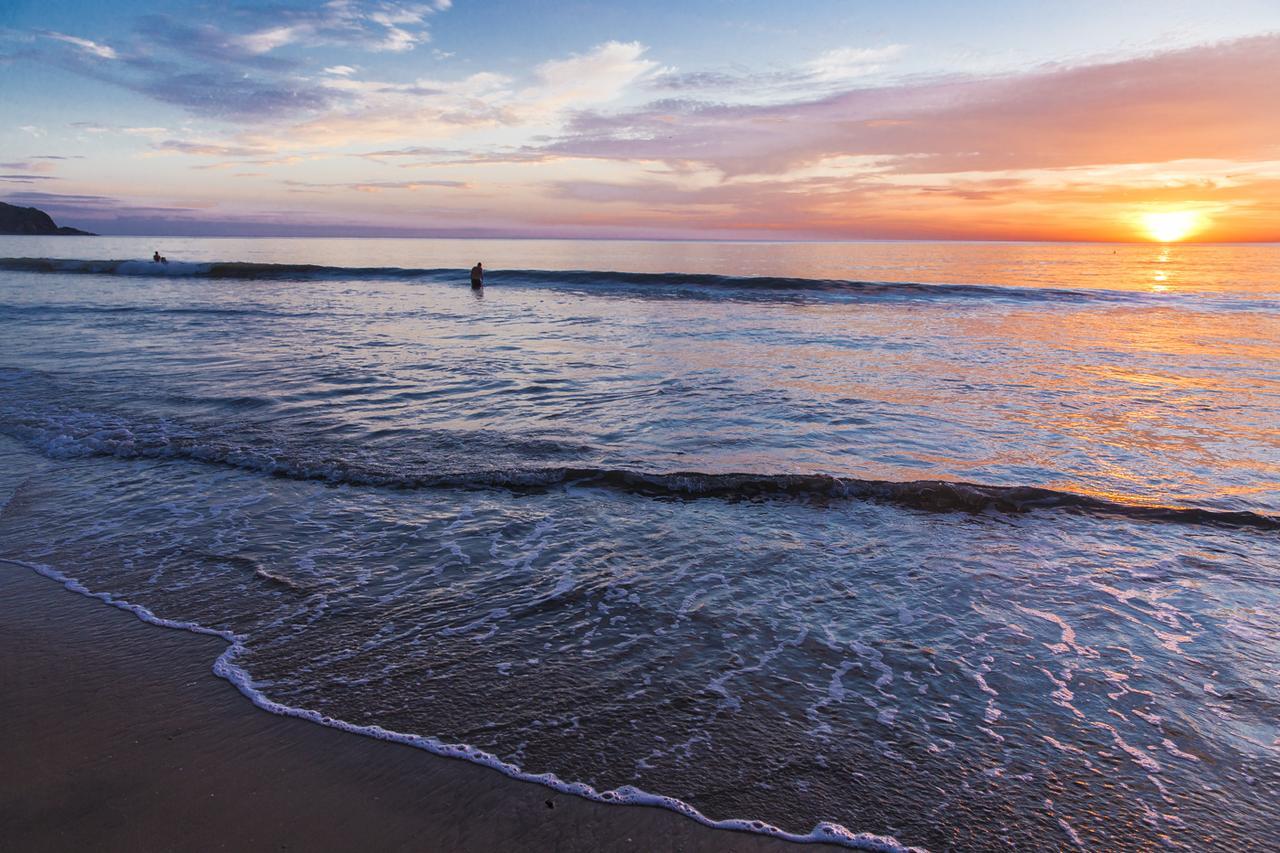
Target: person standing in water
{"points": [[477, 276]]}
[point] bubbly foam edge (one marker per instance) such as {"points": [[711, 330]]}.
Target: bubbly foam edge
{"points": [[226, 668]]}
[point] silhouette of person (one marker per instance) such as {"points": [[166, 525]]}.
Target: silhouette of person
{"points": [[155, 259], [477, 275]]}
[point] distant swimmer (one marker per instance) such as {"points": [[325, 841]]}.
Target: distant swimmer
{"points": [[477, 276], [155, 259]]}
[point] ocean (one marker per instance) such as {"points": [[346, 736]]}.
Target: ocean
{"points": [[970, 546]]}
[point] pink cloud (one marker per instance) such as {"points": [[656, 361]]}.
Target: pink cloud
{"points": [[1211, 101]]}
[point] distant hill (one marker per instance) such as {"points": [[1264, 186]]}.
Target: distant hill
{"points": [[29, 220]]}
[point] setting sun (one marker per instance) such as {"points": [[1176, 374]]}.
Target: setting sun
{"points": [[1172, 225]]}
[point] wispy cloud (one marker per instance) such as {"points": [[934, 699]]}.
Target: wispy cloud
{"points": [[239, 70], [1205, 101], [392, 27], [818, 76], [378, 186], [431, 109], [207, 149], [87, 46], [598, 76], [417, 156], [108, 214], [203, 78], [849, 63], [164, 35], [29, 166]]}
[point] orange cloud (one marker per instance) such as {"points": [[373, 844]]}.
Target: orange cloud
{"points": [[1068, 153]]}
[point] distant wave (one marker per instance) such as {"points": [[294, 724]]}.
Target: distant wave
{"points": [[79, 436], [212, 269], [674, 284]]}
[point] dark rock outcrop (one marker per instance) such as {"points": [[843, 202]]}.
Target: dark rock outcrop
{"points": [[29, 220]]}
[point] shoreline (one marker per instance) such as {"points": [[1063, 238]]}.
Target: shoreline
{"points": [[120, 737]]}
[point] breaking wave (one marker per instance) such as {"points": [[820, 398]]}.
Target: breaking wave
{"points": [[671, 284], [79, 435]]}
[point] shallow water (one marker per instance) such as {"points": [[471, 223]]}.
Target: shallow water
{"points": [[450, 514]]}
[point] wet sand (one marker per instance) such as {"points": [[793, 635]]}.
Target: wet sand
{"points": [[117, 736]]}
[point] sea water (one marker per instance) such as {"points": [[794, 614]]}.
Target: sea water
{"points": [[962, 545]]}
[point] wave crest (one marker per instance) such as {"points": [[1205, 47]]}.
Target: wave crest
{"points": [[672, 284], [80, 435]]}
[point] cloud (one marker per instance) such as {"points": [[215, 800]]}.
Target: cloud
{"points": [[424, 155], [1065, 152], [220, 94], [205, 149], [97, 211], [598, 76], [394, 27], [267, 40], [1082, 203], [239, 70], [285, 160], [92, 48], [427, 109], [203, 76], [415, 151], [818, 76], [850, 62], [85, 202], [97, 128], [110, 215], [180, 40], [377, 186], [1207, 101], [833, 147], [29, 166]]}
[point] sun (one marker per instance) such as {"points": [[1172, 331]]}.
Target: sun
{"points": [[1170, 226]]}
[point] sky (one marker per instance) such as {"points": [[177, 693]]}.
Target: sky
{"points": [[671, 119]]}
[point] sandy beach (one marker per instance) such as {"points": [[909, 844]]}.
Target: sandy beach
{"points": [[119, 737]]}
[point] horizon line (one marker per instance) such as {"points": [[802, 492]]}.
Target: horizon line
{"points": [[624, 239]]}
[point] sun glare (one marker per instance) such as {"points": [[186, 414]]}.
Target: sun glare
{"points": [[1172, 225]]}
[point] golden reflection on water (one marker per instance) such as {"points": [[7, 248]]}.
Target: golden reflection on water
{"points": [[1142, 387]]}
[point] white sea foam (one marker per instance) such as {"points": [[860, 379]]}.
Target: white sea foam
{"points": [[226, 667]]}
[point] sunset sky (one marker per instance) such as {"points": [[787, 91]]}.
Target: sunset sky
{"points": [[920, 119]]}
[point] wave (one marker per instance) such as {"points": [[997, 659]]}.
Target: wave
{"points": [[672, 284], [227, 667], [78, 435], [40, 310]]}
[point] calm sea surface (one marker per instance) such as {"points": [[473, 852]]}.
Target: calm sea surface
{"points": [[664, 520]]}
